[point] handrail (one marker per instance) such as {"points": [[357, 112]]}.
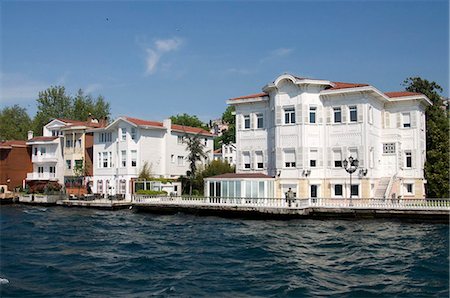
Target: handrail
{"points": [[389, 187], [296, 203]]}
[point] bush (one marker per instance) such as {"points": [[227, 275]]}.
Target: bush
{"points": [[151, 192]]}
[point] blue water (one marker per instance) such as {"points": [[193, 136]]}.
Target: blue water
{"points": [[69, 252]]}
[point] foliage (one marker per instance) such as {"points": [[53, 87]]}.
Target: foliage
{"points": [[14, 123], [146, 172], [228, 136], [151, 192], [188, 120], [196, 148], [44, 187], [437, 131], [55, 103]]}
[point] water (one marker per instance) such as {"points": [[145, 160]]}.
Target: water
{"points": [[60, 252]]}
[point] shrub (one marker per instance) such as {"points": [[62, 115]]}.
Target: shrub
{"points": [[151, 192]]}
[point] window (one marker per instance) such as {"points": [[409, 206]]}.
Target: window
{"points": [[370, 115], [406, 119], [35, 150], [79, 143], [124, 134], [180, 160], [105, 159], [172, 158], [337, 115], [133, 133], [122, 186], [55, 133], [179, 139], [289, 158], [313, 191], [133, 158], [389, 148], [43, 150], [99, 186], [259, 120], [259, 160], [408, 156], [337, 157], [40, 171], [409, 188], [289, 116], [206, 142], [99, 160], [354, 190], [52, 169], [246, 159], [68, 164], [353, 113], [105, 137], [124, 158], [110, 160], [312, 114], [78, 163], [313, 155], [68, 143], [338, 189], [246, 121]]}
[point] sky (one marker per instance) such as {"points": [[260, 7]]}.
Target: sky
{"points": [[154, 59]]}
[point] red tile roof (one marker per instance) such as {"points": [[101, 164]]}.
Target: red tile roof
{"points": [[401, 94], [175, 127], [12, 143], [42, 139], [250, 96], [242, 175], [141, 122], [342, 85]]}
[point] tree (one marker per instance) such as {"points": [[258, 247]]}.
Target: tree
{"points": [[228, 136], [55, 103], [196, 148], [437, 137], [52, 103], [14, 123], [146, 172], [188, 120], [80, 170]]}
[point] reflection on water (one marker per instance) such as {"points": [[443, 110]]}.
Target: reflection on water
{"points": [[79, 252]]}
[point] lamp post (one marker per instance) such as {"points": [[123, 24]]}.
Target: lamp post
{"points": [[350, 165]]}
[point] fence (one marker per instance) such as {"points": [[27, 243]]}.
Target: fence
{"points": [[356, 203]]}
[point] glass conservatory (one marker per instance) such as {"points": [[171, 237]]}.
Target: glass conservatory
{"points": [[233, 185]]}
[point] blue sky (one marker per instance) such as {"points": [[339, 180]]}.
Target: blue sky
{"points": [[155, 59]]}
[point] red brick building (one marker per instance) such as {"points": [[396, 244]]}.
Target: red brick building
{"points": [[15, 163]]}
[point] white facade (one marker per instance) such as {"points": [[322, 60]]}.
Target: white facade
{"points": [[122, 148], [46, 153], [229, 153], [299, 131]]}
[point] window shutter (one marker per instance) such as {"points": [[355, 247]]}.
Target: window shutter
{"points": [[239, 122], [399, 120], [413, 119], [414, 158], [279, 160], [344, 114], [299, 159], [320, 153], [252, 160], [328, 111], [401, 158], [361, 156], [278, 116], [360, 111], [265, 159], [299, 114], [319, 114], [344, 153], [239, 160], [330, 157], [387, 119]]}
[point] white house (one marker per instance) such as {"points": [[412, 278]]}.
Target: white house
{"points": [[123, 147], [47, 153], [299, 130]]}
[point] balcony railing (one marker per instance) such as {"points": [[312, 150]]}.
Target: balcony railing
{"points": [[355, 203], [43, 176], [44, 158]]}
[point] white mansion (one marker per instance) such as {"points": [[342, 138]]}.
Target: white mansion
{"points": [[123, 147], [299, 131]]}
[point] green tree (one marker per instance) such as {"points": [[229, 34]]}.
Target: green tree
{"points": [[437, 139], [228, 136], [80, 171], [14, 123], [217, 167], [196, 149], [146, 172], [55, 103], [188, 120]]}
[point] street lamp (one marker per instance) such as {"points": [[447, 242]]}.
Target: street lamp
{"points": [[350, 165]]}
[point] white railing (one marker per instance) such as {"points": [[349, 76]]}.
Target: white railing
{"points": [[31, 176], [355, 203]]}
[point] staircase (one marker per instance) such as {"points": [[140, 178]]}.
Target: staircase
{"points": [[382, 187]]}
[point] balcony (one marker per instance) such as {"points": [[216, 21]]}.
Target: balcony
{"points": [[41, 176], [44, 158]]}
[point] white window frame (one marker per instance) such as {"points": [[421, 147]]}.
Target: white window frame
{"points": [[133, 133], [408, 155], [286, 162], [123, 134], [246, 157], [289, 115], [312, 114], [133, 154], [259, 120], [247, 121], [123, 158], [353, 113], [180, 160], [337, 111], [406, 120]]}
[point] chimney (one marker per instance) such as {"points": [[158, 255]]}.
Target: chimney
{"points": [[89, 118], [167, 123], [30, 134]]}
